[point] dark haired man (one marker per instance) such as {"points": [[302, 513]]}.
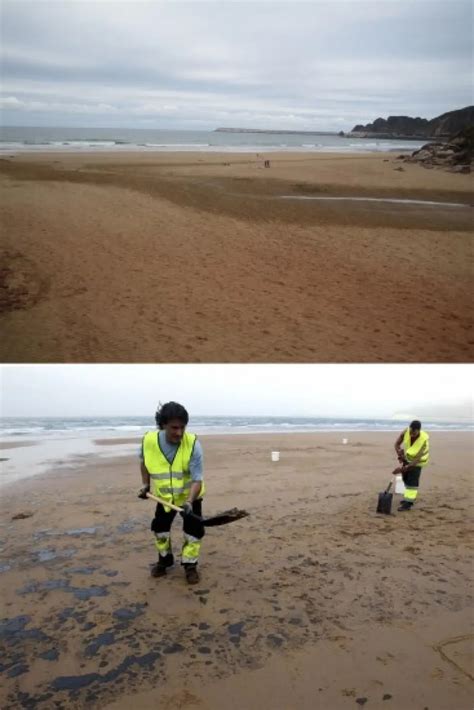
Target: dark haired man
{"points": [[413, 452], [171, 466]]}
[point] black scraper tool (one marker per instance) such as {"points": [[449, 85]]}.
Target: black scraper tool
{"points": [[384, 504]]}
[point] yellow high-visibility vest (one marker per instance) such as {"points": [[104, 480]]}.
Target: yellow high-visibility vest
{"points": [[412, 450], [170, 481]]}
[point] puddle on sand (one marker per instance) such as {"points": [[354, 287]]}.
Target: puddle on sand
{"points": [[82, 593], [76, 682], [105, 639], [392, 200], [47, 554], [81, 531]]}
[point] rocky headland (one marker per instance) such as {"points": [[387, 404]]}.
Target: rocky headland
{"points": [[457, 154], [405, 127]]}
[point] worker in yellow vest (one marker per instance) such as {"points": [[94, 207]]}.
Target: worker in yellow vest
{"points": [[171, 468], [413, 452]]}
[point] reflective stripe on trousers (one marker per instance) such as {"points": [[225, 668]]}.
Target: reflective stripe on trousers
{"points": [[163, 543], [410, 494], [191, 549]]}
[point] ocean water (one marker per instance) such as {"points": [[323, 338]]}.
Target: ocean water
{"points": [[61, 443], [21, 139], [16, 428]]}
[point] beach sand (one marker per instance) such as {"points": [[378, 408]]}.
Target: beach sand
{"points": [[15, 444], [195, 257], [312, 602]]}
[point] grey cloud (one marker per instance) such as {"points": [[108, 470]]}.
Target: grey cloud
{"points": [[313, 390], [268, 61]]}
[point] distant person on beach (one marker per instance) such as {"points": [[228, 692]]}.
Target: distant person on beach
{"points": [[413, 452], [171, 468]]}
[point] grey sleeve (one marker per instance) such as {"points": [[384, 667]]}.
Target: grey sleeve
{"points": [[196, 463]]}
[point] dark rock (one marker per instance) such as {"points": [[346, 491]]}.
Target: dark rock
{"points": [[405, 126], [465, 169], [361, 701], [387, 696], [51, 655], [22, 516], [457, 152]]}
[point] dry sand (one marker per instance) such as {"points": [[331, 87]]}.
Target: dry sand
{"points": [[194, 258], [313, 602]]}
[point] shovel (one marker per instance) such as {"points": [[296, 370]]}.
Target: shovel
{"points": [[385, 501], [228, 516]]}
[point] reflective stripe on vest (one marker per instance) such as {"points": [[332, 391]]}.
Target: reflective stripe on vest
{"points": [[170, 481], [412, 450]]}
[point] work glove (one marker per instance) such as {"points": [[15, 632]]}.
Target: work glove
{"points": [[143, 491], [187, 509]]}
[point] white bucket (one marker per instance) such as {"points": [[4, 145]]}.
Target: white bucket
{"points": [[345, 441], [275, 455], [399, 485]]}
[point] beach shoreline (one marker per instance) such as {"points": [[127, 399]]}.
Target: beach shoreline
{"points": [[322, 577], [57, 454]]}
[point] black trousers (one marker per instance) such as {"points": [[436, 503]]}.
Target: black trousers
{"points": [[412, 477], [162, 521]]}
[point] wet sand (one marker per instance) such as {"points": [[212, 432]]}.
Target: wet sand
{"points": [[314, 601], [197, 258], [15, 444]]}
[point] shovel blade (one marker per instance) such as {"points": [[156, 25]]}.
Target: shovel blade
{"points": [[228, 516], [385, 503]]}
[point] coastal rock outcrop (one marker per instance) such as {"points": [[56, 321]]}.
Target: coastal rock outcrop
{"points": [[442, 126], [457, 154]]}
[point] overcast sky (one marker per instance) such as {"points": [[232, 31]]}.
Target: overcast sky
{"points": [[301, 65], [441, 391]]}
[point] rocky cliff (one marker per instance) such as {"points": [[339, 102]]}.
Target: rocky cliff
{"points": [[404, 126], [457, 154]]}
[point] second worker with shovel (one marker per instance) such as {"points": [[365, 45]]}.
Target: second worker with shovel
{"points": [[171, 468]]}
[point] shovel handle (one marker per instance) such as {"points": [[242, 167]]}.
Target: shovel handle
{"points": [[164, 502]]}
